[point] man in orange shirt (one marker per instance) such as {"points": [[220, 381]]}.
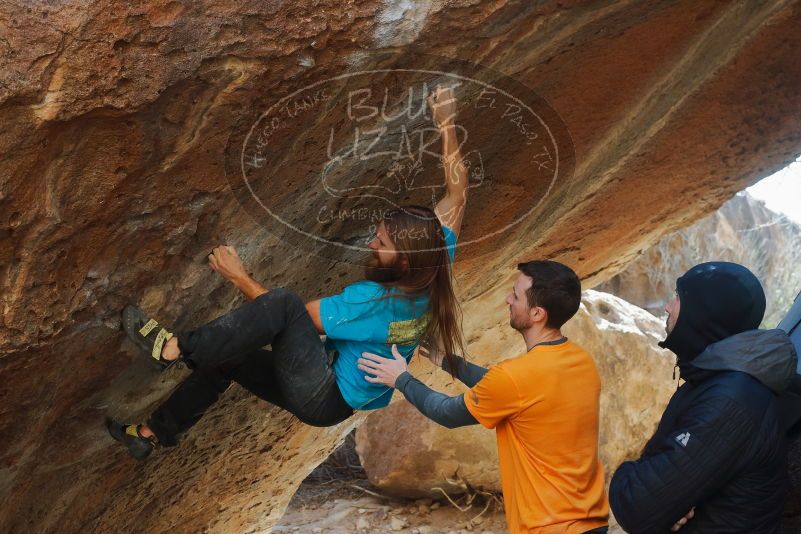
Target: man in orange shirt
{"points": [[543, 405]]}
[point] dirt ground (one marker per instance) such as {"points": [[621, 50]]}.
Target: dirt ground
{"points": [[337, 498]]}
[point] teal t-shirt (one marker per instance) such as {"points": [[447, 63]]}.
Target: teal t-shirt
{"points": [[367, 317]]}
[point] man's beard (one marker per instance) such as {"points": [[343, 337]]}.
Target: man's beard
{"points": [[519, 324], [375, 272]]}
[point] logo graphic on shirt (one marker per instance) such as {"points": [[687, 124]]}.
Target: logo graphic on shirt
{"points": [[683, 438], [408, 332], [474, 396]]}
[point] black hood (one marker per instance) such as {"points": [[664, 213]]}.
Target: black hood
{"points": [[717, 300]]}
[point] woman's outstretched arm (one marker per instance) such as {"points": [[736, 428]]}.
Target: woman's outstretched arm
{"points": [[450, 209]]}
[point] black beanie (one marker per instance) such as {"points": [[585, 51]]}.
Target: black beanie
{"points": [[717, 300]]}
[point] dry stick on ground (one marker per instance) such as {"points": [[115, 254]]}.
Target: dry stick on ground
{"points": [[491, 497], [458, 481], [466, 508], [486, 507], [471, 493], [374, 494]]}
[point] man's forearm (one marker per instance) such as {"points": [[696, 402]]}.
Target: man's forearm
{"points": [[251, 288], [450, 412], [468, 373]]}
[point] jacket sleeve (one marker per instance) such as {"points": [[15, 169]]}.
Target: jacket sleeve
{"points": [[468, 373], [649, 495], [447, 411]]}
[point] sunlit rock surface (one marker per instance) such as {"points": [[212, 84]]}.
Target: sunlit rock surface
{"points": [[123, 125]]}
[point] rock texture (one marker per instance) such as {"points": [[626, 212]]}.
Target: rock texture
{"points": [[743, 230], [405, 454], [117, 119]]}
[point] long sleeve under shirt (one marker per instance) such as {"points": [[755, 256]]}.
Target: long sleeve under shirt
{"points": [[450, 412]]}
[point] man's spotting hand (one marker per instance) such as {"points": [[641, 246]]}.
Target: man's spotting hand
{"points": [[226, 261], [386, 371]]}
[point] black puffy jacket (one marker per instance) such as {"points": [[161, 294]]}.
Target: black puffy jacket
{"points": [[719, 446]]}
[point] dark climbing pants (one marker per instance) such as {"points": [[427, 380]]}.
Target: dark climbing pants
{"points": [[297, 374]]}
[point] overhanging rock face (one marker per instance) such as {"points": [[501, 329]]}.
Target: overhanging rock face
{"points": [[125, 145]]}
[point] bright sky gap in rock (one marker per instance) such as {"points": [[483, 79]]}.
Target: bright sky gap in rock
{"points": [[781, 191]]}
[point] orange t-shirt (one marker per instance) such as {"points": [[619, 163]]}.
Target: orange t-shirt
{"points": [[544, 407]]}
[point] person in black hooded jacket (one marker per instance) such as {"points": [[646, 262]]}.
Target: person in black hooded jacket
{"points": [[717, 461]]}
